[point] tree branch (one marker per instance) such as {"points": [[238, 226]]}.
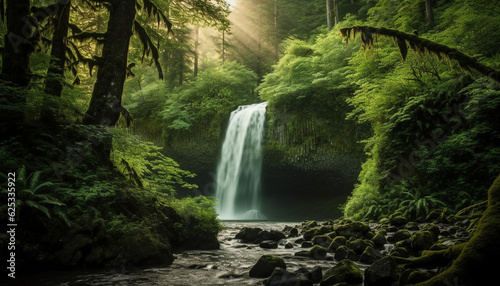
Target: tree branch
{"points": [[419, 45]]}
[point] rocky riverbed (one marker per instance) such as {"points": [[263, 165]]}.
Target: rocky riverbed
{"points": [[301, 253]]}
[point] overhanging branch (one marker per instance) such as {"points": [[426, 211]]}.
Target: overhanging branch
{"points": [[419, 45]]}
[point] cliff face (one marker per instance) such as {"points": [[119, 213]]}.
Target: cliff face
{"points": [[310, 163]]}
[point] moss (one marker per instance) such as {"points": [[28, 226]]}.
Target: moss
{"points": [[344, 272], [317, 252]]}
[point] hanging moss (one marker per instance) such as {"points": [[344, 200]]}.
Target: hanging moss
{"points": [[420, 46]]}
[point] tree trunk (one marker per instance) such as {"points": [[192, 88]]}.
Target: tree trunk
{"points": [[55, 73], [476, 265], [336, 11], [18, 43], [105, 104], [196, 44], [429, 13], [328, 15], [15, 64]]}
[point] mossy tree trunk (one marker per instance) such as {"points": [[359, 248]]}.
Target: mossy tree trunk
{"points": [[16, 52], [55, 73], [105, 104], [477, 264]]}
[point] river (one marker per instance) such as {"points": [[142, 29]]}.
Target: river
{"points": [[227, 266]]}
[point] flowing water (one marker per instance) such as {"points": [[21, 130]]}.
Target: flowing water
{"points": [[227, 266], [239, 168]]}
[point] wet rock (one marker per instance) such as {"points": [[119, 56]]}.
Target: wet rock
{"points": [[317, 252], [322, 240], [337, 242], [401, 234], [288, 245], [306, 244], [379, 239], [353, 229], [265, 266], [434, 230], [397, 219], [248, 234], [400, 252], [281, 277], [269, 244], [370, 255], [345, 271], [359, 245], [308, 235], [422, 240], [412, 226], [343, 252], [382, 272]]}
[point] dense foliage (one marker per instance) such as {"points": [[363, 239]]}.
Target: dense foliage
{"points": [[430, 147]]}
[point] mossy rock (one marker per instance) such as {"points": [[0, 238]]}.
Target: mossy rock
{"points": [[401, 234], [317, 252], [398, 219], [322, 240], [345, 271], [359, 245], [379, 239], [337, 242], [344, 252], [434, 230], [422, 240], [265, 266]]}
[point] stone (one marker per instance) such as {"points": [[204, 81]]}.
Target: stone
{"points": [[265, 266], [322, 240], [315, 275], [343, 252], [269, 244], [401, 234], [308, 235], [397, 219], [370, 255], [412, 226], [281, 277], [288, 245], [382, 272], [379, 239], [434, 230], [306, 244], [345, 271], [317, 252], [422, 240], [400, 252], [359, 245], [336, 242], [248, 234]]}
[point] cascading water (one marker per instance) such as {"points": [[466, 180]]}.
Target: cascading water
{"points": [[239, 169]]}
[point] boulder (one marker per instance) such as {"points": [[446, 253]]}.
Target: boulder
{"points": [[379, 239], [370, 255], [269, 244], [382, 272], [412, 226], [322, 240], [422, 240], [315, 275], [345, 271], [434, 230], [248, 234], [401, 234], [265, 266], [344, 252], [352, 229], [359, 245], [281, 277], [397, 219], [336, 242], [317, 252], [306, 244]]}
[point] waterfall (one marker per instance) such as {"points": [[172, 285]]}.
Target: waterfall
{"points": [[239, 169]]}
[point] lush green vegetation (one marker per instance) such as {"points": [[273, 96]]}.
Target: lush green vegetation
{"points": [[95, 104]]}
